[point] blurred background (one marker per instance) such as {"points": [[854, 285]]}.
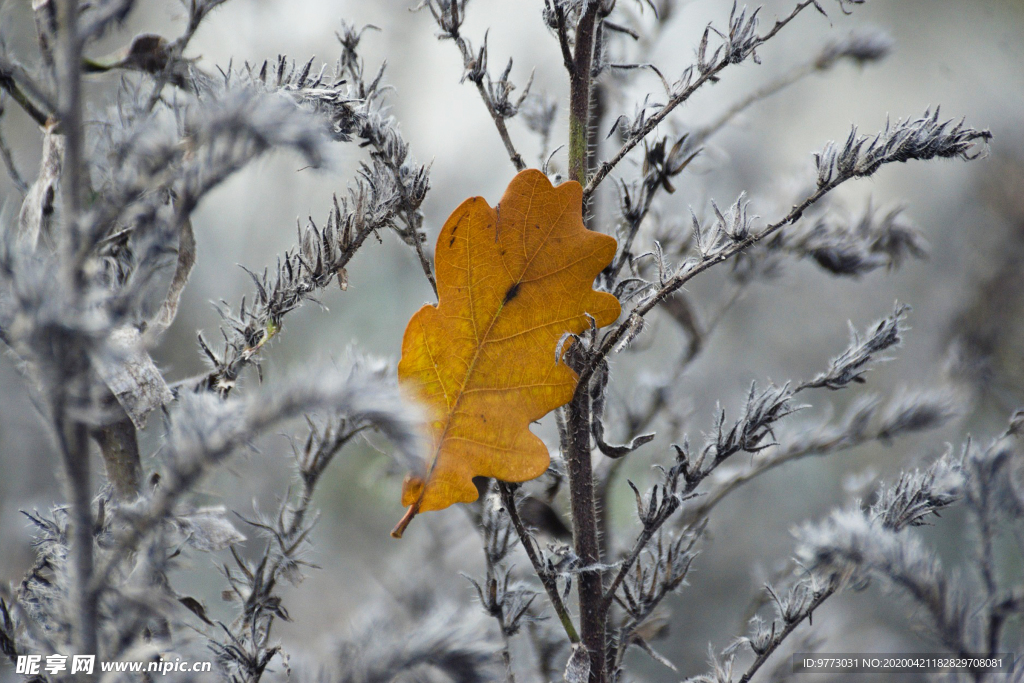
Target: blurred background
{"points": [[967, 297]]}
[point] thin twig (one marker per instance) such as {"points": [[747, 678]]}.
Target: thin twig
{"points": [[424, 261], [613, 338], [618, 28], [499, 121], [546, 578], [788, 629], [980, 505], [840, 442], [15, 81], [699, 136], [506, 659], [12, 168], [650, 124], [563, 40], [228, 368], [627, 564], [652, 525], [329, 444]]}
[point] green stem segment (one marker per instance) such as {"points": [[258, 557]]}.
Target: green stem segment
{"points": [[578, 148], [579, 93]]}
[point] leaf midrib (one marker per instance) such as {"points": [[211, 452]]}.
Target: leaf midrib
{"points": [[480, 341]]}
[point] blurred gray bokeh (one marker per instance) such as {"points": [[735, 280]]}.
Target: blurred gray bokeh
{"points": [[966, 56]]}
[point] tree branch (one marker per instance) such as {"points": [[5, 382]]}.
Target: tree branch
{"points": [[590, 586], [858, 47]]}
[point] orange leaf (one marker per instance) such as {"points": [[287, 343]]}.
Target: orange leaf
{"points": [[511, 281]]}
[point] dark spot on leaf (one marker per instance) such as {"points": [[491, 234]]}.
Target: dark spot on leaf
{"points": [[512, 292], [454, 228]]}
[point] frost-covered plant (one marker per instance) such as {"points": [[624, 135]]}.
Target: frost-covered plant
{"points": [[79, 277]]}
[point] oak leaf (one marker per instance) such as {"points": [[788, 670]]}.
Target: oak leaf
{"points": [[512, 280]]}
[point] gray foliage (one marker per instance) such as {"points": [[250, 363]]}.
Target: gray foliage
{"points": [[83, 302]]}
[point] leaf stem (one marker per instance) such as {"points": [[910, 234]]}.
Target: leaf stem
{"points": [[403, 523]]}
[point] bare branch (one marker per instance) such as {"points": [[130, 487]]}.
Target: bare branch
{"points": [[740, 43], [860, 46], [546, 577], [24, 90], [494, 95], [924, 138]]}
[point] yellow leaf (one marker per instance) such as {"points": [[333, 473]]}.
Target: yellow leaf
{"points": [[511, 281]]}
